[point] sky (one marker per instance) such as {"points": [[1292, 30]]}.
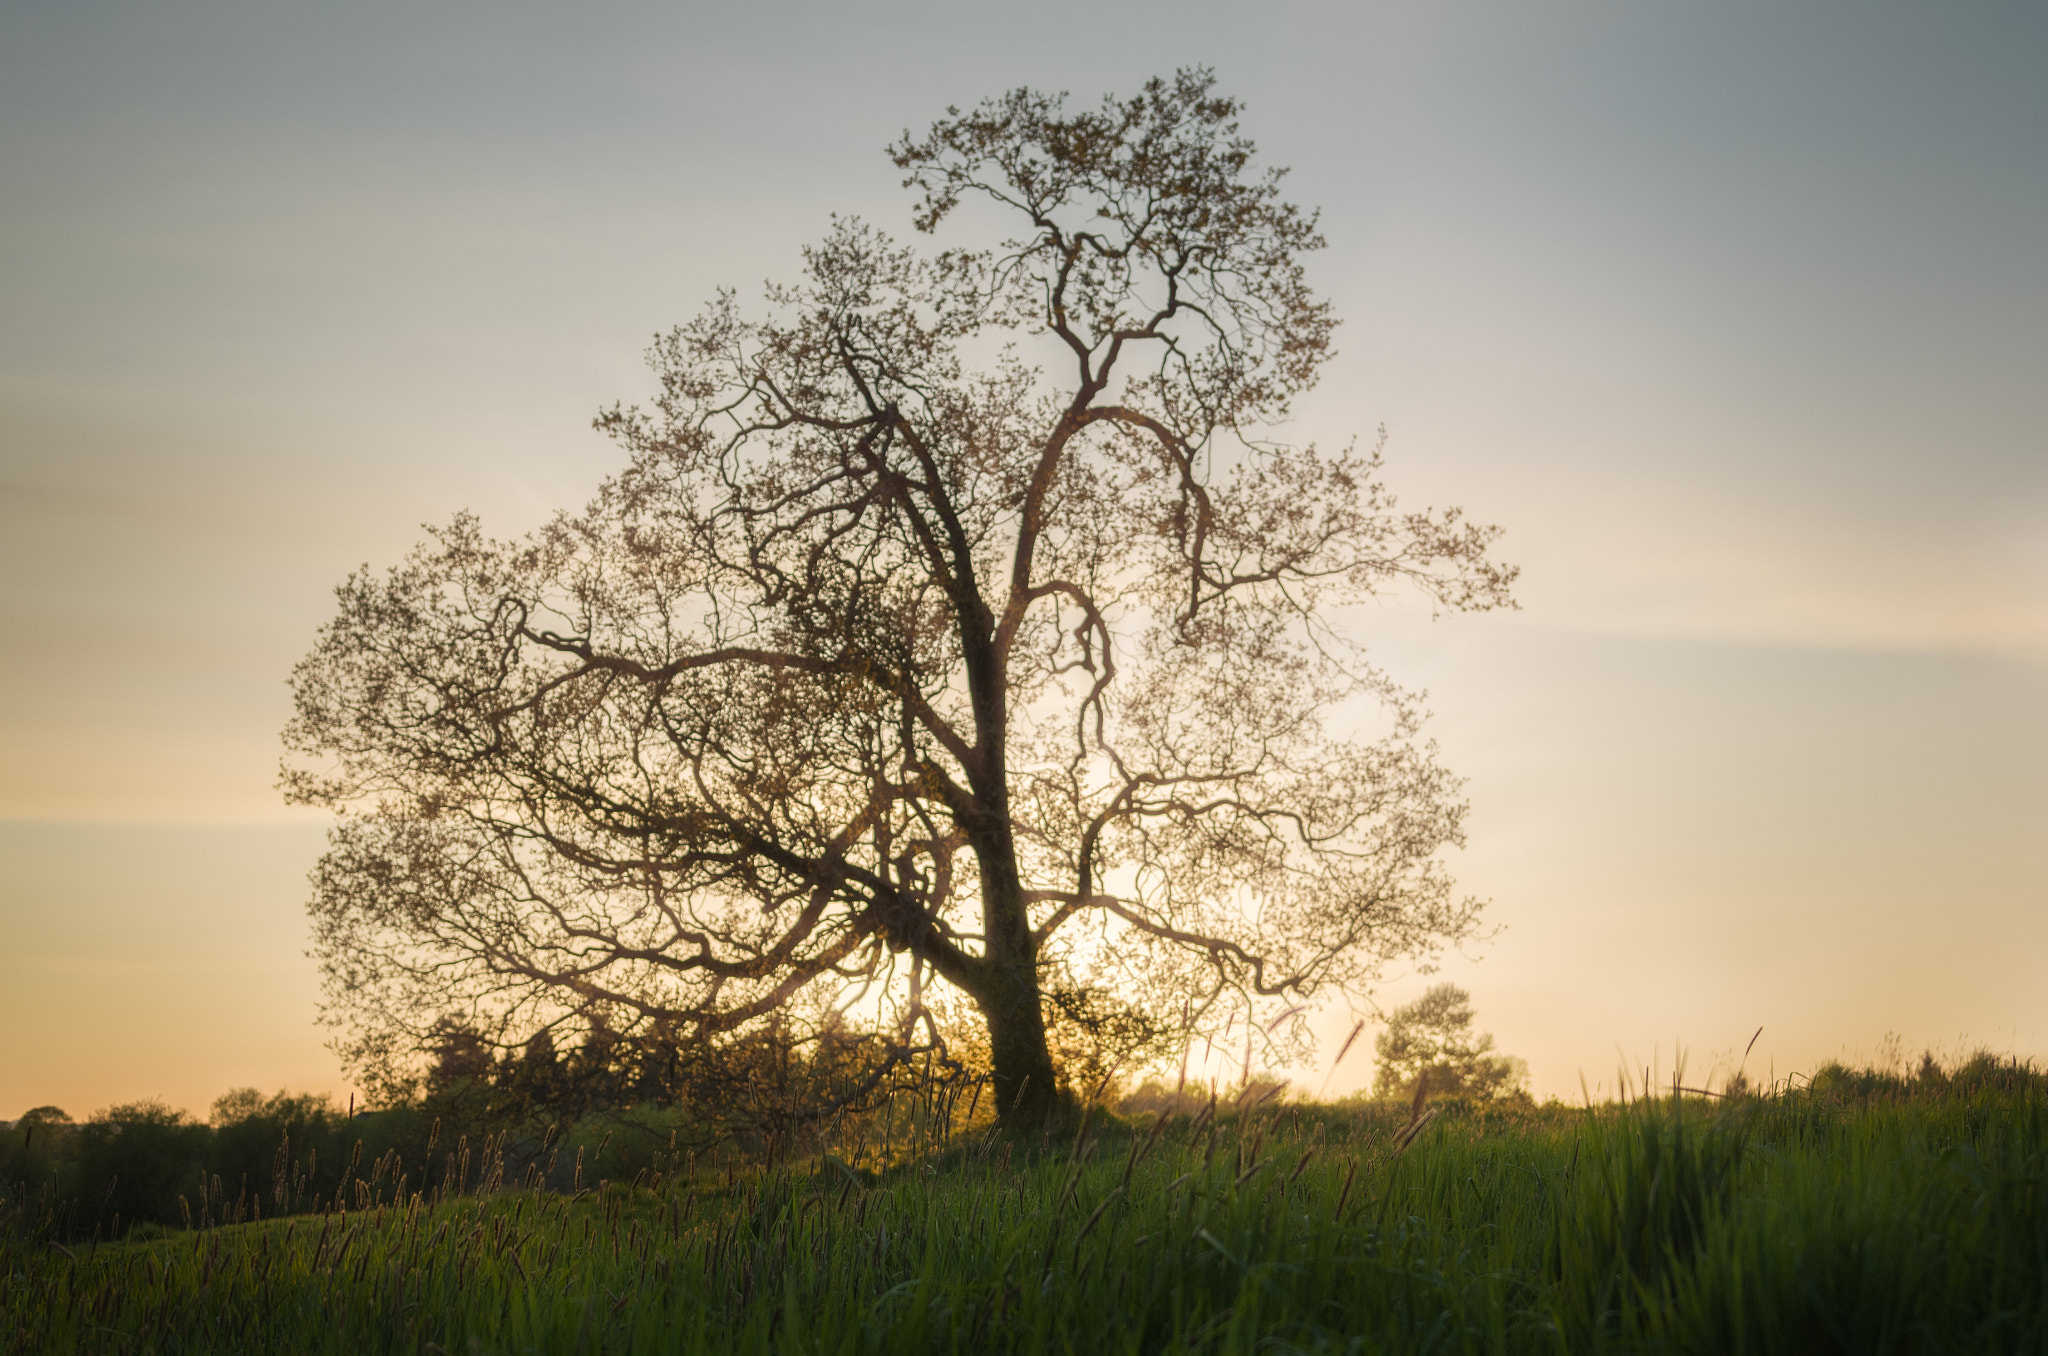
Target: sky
{"points": [[1734, 316]]}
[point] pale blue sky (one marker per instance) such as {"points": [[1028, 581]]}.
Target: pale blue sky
{"points": [[1735, 316]]}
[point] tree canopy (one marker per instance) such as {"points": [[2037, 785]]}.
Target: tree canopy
{"points": [[957, 621], [1432, 1041]]}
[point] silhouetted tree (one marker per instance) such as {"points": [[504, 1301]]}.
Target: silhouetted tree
{"points": [[1433, 1038], [42, 1116], [31, 1151], [260, 1144], [148, 1157], [531, 1081], [958, 618]]}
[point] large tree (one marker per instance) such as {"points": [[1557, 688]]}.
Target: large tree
{"points": [[956, 616]]}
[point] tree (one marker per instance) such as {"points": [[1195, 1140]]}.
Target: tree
{"points": [[32, 1147], [150, 1157], [42, 1117], [1432, 1038], [894, 655]]}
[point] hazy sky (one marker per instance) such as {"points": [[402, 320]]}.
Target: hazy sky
{"points": [[1735, 316]]}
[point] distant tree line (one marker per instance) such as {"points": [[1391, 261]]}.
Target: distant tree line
{"points": [[475, 1117], [603, 1106], [609, 1106], [539, 1119]]}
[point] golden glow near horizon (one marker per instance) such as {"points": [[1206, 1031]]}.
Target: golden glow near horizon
{"points": [[1734, 320]]}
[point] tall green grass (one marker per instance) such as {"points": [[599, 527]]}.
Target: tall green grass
{"points": [[1810, 1221]]}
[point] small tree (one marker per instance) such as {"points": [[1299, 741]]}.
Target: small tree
{"points": [[958, 620], [1432, 1038]]}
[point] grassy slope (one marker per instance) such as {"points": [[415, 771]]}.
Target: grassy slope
{"points": [[1798, 1224]]}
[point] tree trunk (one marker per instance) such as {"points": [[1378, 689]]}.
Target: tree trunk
{"points": [[1026, 1085]]}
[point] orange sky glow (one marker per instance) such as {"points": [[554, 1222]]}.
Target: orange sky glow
{"points": [[1735, 320]]}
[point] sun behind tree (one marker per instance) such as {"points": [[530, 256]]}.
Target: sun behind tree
{"points": [[958, 620]]}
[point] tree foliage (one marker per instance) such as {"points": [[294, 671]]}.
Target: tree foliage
{"points": [[1432, 1038], [956, 618]]}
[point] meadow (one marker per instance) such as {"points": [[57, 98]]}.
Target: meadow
{"points": [[1859, 1213]]}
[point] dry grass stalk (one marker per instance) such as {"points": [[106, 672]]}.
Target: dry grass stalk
{"points": [[1417, 1116]]}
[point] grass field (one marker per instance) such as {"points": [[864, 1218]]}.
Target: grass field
{"points": [[1807, 1221]]}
